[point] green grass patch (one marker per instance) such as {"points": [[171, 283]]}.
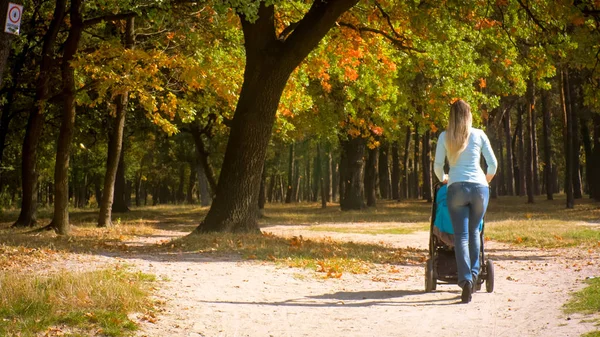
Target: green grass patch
{"points": [[587, 300], [544, 233], [75, 303], [326, 256]]}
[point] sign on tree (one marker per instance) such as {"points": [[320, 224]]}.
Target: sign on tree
{"points": [[13, 18]]}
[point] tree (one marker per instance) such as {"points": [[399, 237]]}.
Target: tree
{"points": [[270, 61], [35, 124]]}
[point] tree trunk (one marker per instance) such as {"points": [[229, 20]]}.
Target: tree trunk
{"points": [[576, 103], [119, 204], [317, 175], [60, 222], [189, 198], [354, 172], [180, 196], [269, 63], [371, 177], [595, 181], [329, 175], [203, 186], [5, 40], [510, 181], [547, 133], [202, 155], [587, 149], [395, 171], [415, 173], [521, 152], [405, 176], [115, 145], [384, 170], [35, 124], [291, 173], [568, 137], [427, 183], [529, 168]]}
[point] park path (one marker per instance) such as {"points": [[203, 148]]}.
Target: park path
{"points": [[230, 297]]}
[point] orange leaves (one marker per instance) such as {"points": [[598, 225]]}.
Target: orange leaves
{"points": [[482, 83], [332, 271], [296, 242], [350, 73], [486, 23]]}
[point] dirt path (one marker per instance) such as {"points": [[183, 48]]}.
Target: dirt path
{"points": [[207, 297]]}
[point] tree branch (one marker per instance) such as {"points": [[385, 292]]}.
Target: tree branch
{"points": [[387, 17], [396, 42], [531, 16], [114, 17]]}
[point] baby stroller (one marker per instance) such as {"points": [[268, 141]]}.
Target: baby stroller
{"points": [[441, 264]]}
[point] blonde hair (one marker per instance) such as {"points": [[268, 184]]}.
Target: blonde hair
{"points": [[459, 128]]}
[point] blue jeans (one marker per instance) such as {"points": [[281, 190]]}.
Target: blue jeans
{"points": [[467, 203]]}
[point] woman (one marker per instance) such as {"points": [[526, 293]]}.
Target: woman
{"points": [[468, 188]]}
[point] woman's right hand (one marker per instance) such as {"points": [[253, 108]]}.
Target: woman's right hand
{"points": [[489, 177]]}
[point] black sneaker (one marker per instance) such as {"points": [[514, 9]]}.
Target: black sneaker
{"points": [[466, 292]]}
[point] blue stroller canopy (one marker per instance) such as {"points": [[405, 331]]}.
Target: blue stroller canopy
{"points": [[442, 215]]}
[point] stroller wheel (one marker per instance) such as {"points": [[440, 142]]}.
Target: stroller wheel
{"points": [[430, 281], [489, 281]]}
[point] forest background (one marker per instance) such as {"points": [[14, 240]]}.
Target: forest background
{"points": [[234, 104]]}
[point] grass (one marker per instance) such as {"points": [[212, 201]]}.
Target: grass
{"points": [[326, 256], [73, 303], [586, 301]]}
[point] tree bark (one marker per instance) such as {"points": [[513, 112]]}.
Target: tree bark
{"points": [[521, 152], [119, 203], [35, 124], [353, 174], [576, 103], [595, 179], [329, 175], [568, 137], [269, 63], [115, 144], [395, 171], [415, 173], [317, 175], [405, 171], [5, 40], [203, 186], [370, 180], [60, 222], [529, 168], [510, 181], [547, 133], [202, 155], [291, 173], [427, 183], [384, 170]]}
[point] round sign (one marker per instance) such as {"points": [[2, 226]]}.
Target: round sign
{"points": [[14, 15]]}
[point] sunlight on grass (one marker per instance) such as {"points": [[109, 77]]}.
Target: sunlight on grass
{"points": [[586, 301], [87, 303], [312, 213], [544, 233], [326, 256]]}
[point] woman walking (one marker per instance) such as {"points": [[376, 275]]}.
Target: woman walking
{"points": [[468, 188]]}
